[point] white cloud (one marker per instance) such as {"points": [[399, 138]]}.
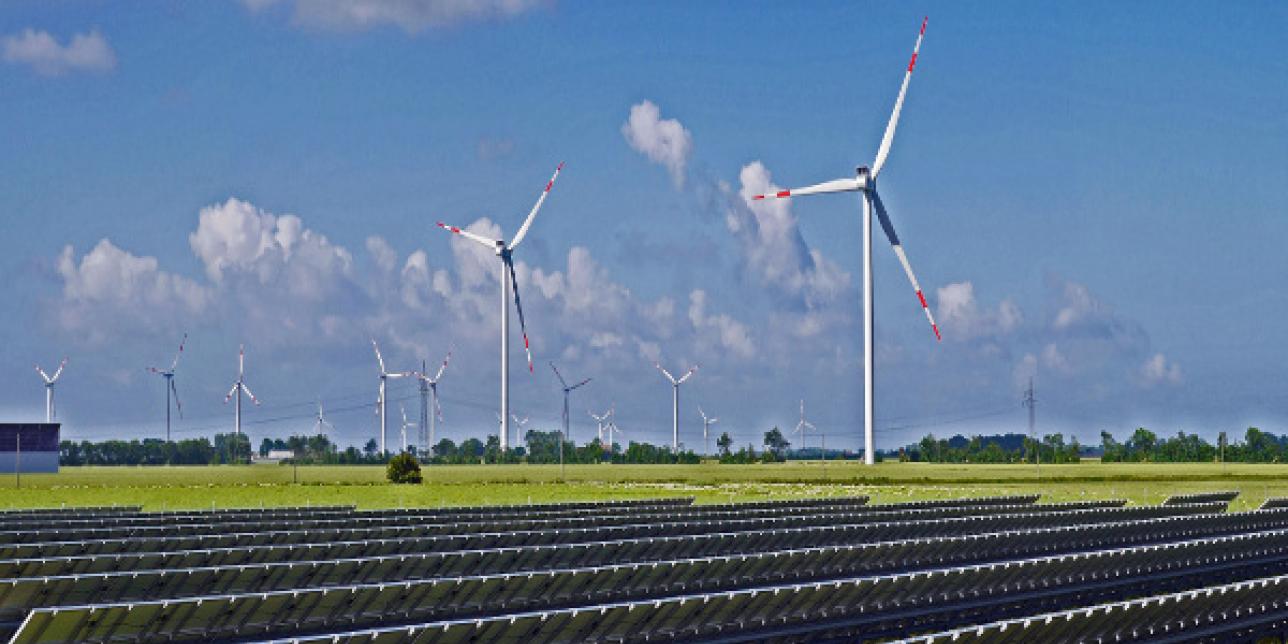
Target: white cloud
{"points": [[727, 332], [384, 254], [88, 52], [1078, 305], [665, 142], [962, 318], [1158, 369], [1053, 359], [412, 16]]}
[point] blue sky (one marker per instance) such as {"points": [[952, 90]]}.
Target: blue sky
{"points": [[1090, 194]]}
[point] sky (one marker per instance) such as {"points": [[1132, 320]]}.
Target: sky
{"points": [[1090, 194]]}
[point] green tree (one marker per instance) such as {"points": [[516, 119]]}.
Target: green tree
{"points": [[775, 444], [724, 444], [403, 468]]}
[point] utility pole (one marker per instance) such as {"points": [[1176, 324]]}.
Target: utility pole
{"points": [[1031, 402]]}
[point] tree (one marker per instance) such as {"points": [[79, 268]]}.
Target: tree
{"points": [[724, 444], [775, 444], [403, 468]]}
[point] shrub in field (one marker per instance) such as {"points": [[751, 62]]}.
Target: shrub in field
{"points": [[403, 468]]}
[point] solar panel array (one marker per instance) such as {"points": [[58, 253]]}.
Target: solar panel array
{"points": [[840, 569]]}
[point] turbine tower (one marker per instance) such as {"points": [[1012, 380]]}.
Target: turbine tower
{"points": [[239, 386], [168, 374], [50, 381], [803, 425], [385, 375], [428, 389], [706, 425], [508, 284], [405, 425], [865, 181], [566, 390], [675, 404]]}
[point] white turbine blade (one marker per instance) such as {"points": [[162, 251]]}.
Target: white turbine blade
{"points": [[527, 223], [231, 392], [701, 413], [810, 425], [558, 375], [688, 375], [579, 384], [837, 185], [403, 408], [400, 374], [884, 150], [178, 405], [444, 367], [523, 326], [713, 420], [42, 373], [59, 372], [438, 408], [379, 358], [665, 372], [175, 365], [903, 259], [490, 243], [241, 361], [248, 393]]}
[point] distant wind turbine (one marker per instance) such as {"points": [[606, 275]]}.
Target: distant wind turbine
{"points": [[385, 375], [50, 381], [803, 425], [405, 425], [865, 181], [508, 284], [706, 425], [239, 386], [567, 389], [319, 427], [168, 374], [429, 388], [675, 404]]}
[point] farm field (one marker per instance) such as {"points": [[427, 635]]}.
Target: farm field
{"points": [[159, 488]]}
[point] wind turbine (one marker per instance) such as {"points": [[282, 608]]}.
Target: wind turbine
{"points": [[319, 427], [385, 375], [429, 386], [50, 381], [675, 404], [566, 390], [405, 425], [599, 422], [803, 425], [865, 181], [169, 386], [239, 386], [612, 428], [508, 284], [706, 424]]}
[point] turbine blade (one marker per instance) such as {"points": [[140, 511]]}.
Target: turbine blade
{"points": [[580, 384], [241, 361], [523, 326], [248, 393], [230, 393], [59, 372], [379, 358], [665, 372], [174, 365], [527, 223], [903, 259], [838, 185], [888, 139], [686, 376], [438, 408], [490, 243], [444, 367], [42, 373], [558, 375], [178, 405]]}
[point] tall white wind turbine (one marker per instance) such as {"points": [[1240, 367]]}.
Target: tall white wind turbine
{"points": [[429, 418], [803, 425], [385, 376], [865, 181], [50, 381], [706, 425], [239, 386], [567, 389], [405, 425], [509, 284], [168, 374], [320, 427], [600, 422], [675, 404]]}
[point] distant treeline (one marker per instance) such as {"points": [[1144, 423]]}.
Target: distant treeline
{"points": [[1143, 446]]}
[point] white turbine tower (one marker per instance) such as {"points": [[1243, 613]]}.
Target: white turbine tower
{"points": [[239, 386], [566, 390], [168, 374], [509, 284], [50, 381], [385, 375], [405, 425], [675, 404], [865, 181], [429, 418], [803, 426], [706, 425]]}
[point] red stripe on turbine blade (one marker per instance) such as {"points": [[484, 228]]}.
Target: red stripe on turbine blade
{"points": [[758, 198], [561, 164], [923, 24], [548, 184], [922, 298], [784, 193], [912, 63], [937, 336]]}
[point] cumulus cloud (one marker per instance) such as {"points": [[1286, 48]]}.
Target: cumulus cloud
{"points": [[1158, 369], [384, 255], [412, 16], [664, 141], [88, 52], [962, 318], [727, 332]]}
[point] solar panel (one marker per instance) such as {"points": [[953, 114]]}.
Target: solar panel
{"points": [[1203, 497]]}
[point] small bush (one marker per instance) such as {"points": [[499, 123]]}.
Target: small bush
{"points": [[403, 468]]}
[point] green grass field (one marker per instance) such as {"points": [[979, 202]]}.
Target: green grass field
{"points": [[269, 485]]}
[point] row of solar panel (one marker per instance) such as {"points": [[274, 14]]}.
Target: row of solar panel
{"points": [[809, 593], [905, 547], [1202, 497]]}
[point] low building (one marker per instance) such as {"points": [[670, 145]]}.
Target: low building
{"points": [[29, 447]]}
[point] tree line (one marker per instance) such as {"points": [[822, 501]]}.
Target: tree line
{"points": [[1142, 446]]}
